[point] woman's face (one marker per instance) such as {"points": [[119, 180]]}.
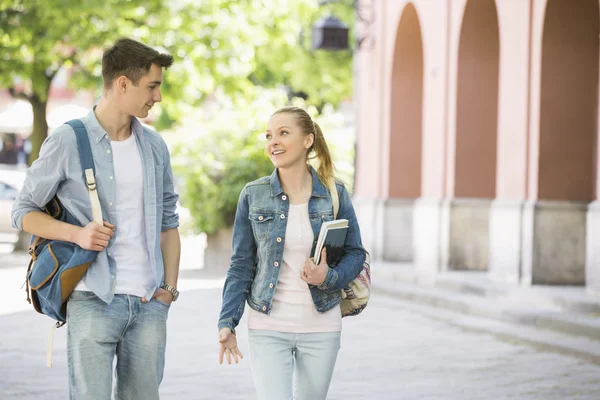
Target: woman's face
{"points": [[286, 144]]}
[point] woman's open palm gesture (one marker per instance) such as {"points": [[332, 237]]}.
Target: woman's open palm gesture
{"points": [[228, 346]]}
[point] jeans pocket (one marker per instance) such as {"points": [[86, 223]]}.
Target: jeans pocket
{"points": [[79, 295], [161, 303]]}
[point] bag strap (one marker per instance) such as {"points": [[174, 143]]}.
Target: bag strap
{"points": [[335, 199], [87, 165]]}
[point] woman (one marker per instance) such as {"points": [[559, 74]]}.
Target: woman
{"points": [[295, 321]]}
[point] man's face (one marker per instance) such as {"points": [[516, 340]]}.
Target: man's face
{"points": [[140, 98]]}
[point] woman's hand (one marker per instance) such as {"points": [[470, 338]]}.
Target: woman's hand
{"points": [[315, 274], [228, 346]]}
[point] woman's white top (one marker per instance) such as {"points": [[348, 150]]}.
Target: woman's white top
{"points": [[293, 309]]}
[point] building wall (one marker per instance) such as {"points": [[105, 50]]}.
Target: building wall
{"points": [[479, 119]]}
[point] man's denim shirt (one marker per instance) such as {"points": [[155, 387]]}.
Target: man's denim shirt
{"points": [[257, 258], [58, 170]]}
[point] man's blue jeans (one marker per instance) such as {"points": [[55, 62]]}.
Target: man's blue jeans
{"points": [[135, 332]]}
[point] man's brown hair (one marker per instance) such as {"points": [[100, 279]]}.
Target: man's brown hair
{"points": [[132, 59]]}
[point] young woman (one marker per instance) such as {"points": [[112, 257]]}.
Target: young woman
{"points": [[295, 320]]}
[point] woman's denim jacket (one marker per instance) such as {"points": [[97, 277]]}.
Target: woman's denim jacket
{"points": [[258, 240]]}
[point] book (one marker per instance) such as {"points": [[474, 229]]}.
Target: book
{"points": [[332, 236]]}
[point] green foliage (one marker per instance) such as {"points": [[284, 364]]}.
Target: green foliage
{"points": [[225, 46], [228, 151], [226, 49], [215, 188], [38, 38], [237, 47], [228, 44]]}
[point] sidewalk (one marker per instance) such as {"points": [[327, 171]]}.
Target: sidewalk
{"points": [[422, 342], [564, 309], [394, 350]]}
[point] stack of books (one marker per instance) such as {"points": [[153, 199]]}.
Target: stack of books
{"points": [[332, 236]]}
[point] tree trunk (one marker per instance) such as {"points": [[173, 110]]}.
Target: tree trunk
{"points": [[40, 127], [39, 134]]}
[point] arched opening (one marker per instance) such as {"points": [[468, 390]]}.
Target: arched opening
{"points": [[568, 101], [476, 136], [406, 108], [477, 101]]}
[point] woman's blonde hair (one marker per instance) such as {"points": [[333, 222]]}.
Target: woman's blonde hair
{"points": [[319, 146]]}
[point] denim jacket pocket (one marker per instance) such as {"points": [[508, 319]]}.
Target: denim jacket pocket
{"points": [[261, 224], [318, 218], [326, 217]]}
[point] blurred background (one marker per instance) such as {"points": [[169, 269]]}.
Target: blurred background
{"points": [[236, 62], [467, 130], [478, 139]]}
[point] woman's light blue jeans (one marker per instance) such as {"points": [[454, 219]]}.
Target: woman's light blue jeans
{"points": [[135, 332], [290, 366]]}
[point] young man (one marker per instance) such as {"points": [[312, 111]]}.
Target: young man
{"points": [[120, 307]]}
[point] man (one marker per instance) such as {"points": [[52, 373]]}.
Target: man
{"points": [[120, 307]]}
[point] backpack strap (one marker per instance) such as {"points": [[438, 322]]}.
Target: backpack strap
{"points": [[87, 165], [335, 199]]}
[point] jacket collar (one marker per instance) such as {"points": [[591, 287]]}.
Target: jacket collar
{"points": [[318, 189]]}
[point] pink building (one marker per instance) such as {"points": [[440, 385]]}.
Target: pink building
{"points": [[477, 138]]}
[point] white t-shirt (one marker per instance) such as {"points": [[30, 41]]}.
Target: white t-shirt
{"points": [[134, 275], [293, 309]]}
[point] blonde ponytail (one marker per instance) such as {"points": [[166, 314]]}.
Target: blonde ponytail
{"points": [[325, 169]]}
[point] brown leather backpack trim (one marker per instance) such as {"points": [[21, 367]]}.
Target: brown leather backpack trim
{"points": [[51, 274], [70, 278]]}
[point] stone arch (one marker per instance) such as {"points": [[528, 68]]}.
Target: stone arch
{"points": [[406, 108], [477, 101], [568, 101]]}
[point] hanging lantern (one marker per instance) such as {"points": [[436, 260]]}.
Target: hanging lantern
{"points": [[330, 34]]}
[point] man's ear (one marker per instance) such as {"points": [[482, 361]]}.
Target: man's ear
{"points": [[122, 84]]}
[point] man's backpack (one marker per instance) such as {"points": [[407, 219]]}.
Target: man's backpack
{"points": [[56, 266]]}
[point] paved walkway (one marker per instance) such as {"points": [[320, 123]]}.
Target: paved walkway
{"points": [[394, 350]]}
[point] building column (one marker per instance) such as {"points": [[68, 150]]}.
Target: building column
{"points": [[548, 229]]}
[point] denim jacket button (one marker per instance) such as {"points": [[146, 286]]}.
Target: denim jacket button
{"points": [[278, 240], [260, 218], [276, 264], [284, 197], [264, 308], [282, 216], [271, 285]]}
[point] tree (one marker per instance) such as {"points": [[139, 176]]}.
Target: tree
{"points": [[215, 161], [219, 45], [39, 38], [227, 150]]}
